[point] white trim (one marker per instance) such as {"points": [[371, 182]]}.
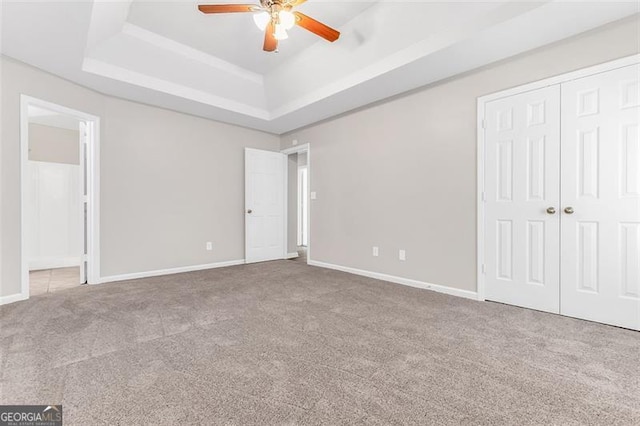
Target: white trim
{"points": [[24, 158], [83, 205], [480, 201], [170, 271], [481, 104], [399, 280], [285, 230], [563, 78], [308, 203], [297, 149], [292, 255], [301, 230], [115, 72], [93, 185], [93, 209], [12, 298]]}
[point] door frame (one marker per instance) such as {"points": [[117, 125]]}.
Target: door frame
{"points": [[92, 170], [302, 231], [480, 126], [297, 150]]}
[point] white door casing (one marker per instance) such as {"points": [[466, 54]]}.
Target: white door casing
{"points": [[600, 271], [522, 153], [84, 200], [302, 206], [264, 205]]}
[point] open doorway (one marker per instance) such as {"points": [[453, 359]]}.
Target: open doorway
{"points": [[58, 196], [302, 206], [298, 203]]}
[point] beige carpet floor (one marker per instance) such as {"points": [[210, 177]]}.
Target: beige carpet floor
{"points": [[286, 343]]}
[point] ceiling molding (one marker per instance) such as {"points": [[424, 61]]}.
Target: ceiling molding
{"points": [[126, 75]]}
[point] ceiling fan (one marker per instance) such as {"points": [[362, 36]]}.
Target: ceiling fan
{"points": [[274, 17]]}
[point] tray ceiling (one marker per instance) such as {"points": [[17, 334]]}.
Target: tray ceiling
{"points": [[169, 54]]}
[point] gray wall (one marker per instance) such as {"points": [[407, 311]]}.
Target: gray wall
{"points": [[169, 181], [402, 174], [53, 144], [302, 159]]}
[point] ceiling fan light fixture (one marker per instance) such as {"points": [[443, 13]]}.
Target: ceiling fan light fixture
{"points": [[287, 19], [274, 18], [261, 20], [280, 33]]}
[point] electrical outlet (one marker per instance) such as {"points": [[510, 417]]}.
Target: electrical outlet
{"points": [[313, 195], [209, 245], [375, 251], [402, 255]]}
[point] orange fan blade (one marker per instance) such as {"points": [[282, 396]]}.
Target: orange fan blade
{"points": [[227, 8], [270, 42], [316, 27]]}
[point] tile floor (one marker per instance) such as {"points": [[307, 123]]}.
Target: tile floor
{"points": [[51, 280]]}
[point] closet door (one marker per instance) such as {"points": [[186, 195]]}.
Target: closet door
{"points": [[600, 272], [522, 183]]}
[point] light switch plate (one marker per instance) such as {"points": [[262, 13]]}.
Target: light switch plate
{"points": [[313, 195], [375, 251], [209, 245], [402, 255]]}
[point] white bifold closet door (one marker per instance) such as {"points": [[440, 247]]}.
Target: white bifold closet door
{"points": [[522, 185], [600, 272], [562, 198]]}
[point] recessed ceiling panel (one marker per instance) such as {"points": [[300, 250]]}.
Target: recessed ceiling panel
{"points": [[233, 36]]}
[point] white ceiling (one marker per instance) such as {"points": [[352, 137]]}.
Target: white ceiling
{"points": [[169, 54], [234, 37]]}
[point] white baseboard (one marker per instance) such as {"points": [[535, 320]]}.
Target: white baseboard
{"points": [[292, 255], [399, 280], [53, 262], [179, 270], [12, 298]]}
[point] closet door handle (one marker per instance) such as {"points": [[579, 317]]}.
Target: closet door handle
{"points": [[551, 210], [568, 210]]}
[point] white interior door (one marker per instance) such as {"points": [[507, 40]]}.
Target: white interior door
{"points": [[264, 205], [601, 198], [522, 149]]}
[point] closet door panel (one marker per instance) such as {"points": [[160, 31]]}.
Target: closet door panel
{"points": [[600, 193], [522, 153]]}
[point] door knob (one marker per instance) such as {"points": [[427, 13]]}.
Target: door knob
{"points": [[249, 211], [551, 210], [568, 210]]}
